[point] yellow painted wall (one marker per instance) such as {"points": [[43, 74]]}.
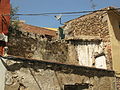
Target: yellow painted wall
{"points": [[114, 29], [53, 29]]}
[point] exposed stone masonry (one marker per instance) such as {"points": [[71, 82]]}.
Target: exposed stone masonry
{"points": [[90, 25], [30, 45], [50, 73]]}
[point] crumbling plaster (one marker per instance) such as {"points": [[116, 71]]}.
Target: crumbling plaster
{"points": [[93, 25], [30, 45], [35, 75]]}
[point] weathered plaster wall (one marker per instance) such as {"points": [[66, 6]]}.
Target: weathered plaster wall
{"points": [[114, 28], [86, 52], [34, 76], [118, 83], [30, 45], [94, 25], [52, 76], [2, 75]]}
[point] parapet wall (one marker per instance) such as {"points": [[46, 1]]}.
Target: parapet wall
{"points": [[26, 74]]}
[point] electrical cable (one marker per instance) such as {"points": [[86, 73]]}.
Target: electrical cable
{"points": [[47, 14]]}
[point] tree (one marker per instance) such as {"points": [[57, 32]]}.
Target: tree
{"points": [[14, 20]]}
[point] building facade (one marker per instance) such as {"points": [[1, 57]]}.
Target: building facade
{"points": [[84, 59]]}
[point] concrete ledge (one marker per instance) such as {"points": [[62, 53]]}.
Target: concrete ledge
{"points": [[65, 68]]}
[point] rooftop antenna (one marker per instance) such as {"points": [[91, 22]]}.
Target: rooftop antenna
{"points": [[58, 18], [93, 6]]}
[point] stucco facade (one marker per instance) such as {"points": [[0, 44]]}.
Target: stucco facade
{"points": [[114, 29], [30, 74]]}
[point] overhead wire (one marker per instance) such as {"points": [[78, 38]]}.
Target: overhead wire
{"points": [[63, 13]]}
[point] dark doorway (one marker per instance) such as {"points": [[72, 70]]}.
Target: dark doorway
{"points": [[76, 87]]}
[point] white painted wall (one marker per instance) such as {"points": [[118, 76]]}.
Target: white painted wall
{"points": [[86, 51], [100, 62], [2, 75]]}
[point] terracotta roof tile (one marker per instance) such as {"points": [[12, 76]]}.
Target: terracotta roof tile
{"points": [[37, 30]]}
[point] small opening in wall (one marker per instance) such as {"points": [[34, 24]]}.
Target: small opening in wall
{"points": [[82, 86], [119, 26]]}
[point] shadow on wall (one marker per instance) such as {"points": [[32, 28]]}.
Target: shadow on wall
{"points": [[63, 68], [115, 22], [117, 33]]}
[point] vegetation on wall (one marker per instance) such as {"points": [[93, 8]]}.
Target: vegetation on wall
{"points": [[14, 20]]}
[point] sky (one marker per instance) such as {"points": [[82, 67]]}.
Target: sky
{"points": [[57, 6]]}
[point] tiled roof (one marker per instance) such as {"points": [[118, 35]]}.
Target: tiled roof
{"points": [[91, 14], [91, 24], [37, 30]]}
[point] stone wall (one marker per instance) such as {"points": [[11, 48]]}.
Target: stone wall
{"points": [[40, 75], [30, 45], [35, 46], [46, 75], [91, 25]]}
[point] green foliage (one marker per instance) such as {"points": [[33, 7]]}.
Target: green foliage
{"points": [[13, 12], [14, 20]]}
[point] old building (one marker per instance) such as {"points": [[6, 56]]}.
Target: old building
{"points": [[45, 32], [31, 74], [85, 59], [89, 35], [100, 25], [4, 23], [37, 30]]}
